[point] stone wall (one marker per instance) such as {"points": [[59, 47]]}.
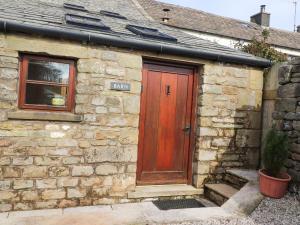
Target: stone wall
{"points": [[287, 112], [50, 164], [229, 121]]}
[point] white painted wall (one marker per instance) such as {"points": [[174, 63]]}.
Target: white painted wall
{"points": [[231, 42]]}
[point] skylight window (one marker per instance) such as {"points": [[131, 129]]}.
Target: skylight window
{"points": [[74, 7], [112, 14], [150, 33], [86, 22]]}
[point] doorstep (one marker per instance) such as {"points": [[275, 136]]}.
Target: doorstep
{"points": [[173, 190]]}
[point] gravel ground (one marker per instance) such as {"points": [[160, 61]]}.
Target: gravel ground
{"points": [[285, 211]]}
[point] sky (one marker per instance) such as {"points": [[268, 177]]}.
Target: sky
{"points": [[282, 11]]}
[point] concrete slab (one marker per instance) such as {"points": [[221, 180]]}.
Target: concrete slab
{"points": [[36, 213], [151, 191], [3, 215], [245, 201], [223, 189], [123, 214], [145, 206], [88, 209], [186, 215]]}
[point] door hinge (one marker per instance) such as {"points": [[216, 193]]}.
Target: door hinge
{"points": [[142, 88]]}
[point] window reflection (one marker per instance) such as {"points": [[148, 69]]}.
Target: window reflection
{"points": [[48, 71]]}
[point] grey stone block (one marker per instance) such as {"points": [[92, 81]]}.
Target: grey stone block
{"points": [[289, 163], [295, 148], [284, 74], [287, 125], [295, 61], [296, 126], [278, 115], [286, 105], [289, 90], [295, 80], [296, 69], [295, 175], [292, 116], [295, 75]]}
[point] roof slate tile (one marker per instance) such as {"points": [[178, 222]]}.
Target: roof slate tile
{"points": [[52, 15]]}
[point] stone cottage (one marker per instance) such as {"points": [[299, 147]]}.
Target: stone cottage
{"points": [[96, 101]]}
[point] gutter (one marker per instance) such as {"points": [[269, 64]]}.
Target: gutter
{"points": [[125, 42]]}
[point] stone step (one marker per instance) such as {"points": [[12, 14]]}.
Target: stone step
{"points": [[174, 190], [234, 181], [219, 193], [245, 174]]}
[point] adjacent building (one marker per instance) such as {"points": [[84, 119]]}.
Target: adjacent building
{"points": [[222, 30]]}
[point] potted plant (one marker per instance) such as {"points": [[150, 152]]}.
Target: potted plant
{"points": [[273, 182]]}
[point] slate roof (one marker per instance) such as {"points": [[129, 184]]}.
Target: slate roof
{"points": [[191, 19], [124, 7], [44, 15]]}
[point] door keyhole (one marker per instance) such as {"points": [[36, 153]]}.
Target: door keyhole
{"points": [[168, 89]]}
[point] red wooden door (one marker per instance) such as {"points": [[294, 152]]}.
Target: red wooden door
{"points": [[166, 124]]}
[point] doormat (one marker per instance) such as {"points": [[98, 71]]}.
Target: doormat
{"points": [[177, 204]]}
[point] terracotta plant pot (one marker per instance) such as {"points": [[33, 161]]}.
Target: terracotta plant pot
{"points": [[273, 187]]}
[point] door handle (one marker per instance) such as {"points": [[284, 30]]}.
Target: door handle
{"points": [[187, 129], [168, 89]]}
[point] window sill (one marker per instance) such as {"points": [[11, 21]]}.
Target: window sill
{"points": [[48, 116]]}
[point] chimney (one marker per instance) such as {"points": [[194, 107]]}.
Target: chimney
{"points": [[262, 18], [166, 17], [298, 28]]}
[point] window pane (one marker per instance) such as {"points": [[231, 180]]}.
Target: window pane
{"points": [[46, 95], [48, 71]]}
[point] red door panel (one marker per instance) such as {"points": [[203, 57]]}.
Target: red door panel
{"points": [[164, 141]]}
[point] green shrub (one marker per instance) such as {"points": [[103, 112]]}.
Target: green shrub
{"points": [[275, 152], [260, 47]]}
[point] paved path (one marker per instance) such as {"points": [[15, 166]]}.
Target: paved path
{"points": [[133, 213], [284, 211]]}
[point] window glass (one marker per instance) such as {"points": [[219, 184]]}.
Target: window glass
{"points": [[47, 83], [46, 95], [48, 71]]}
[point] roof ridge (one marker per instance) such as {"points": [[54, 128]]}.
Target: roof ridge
{"points": [[282, 30], [142, 10], [199, 10]]}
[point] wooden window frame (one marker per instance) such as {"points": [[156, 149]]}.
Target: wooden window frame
{"points": [[24, 61]]}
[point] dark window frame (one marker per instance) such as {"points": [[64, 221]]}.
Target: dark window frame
{"points": [[75, 7], [86, 22], [70, 101], [112, 14]]}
